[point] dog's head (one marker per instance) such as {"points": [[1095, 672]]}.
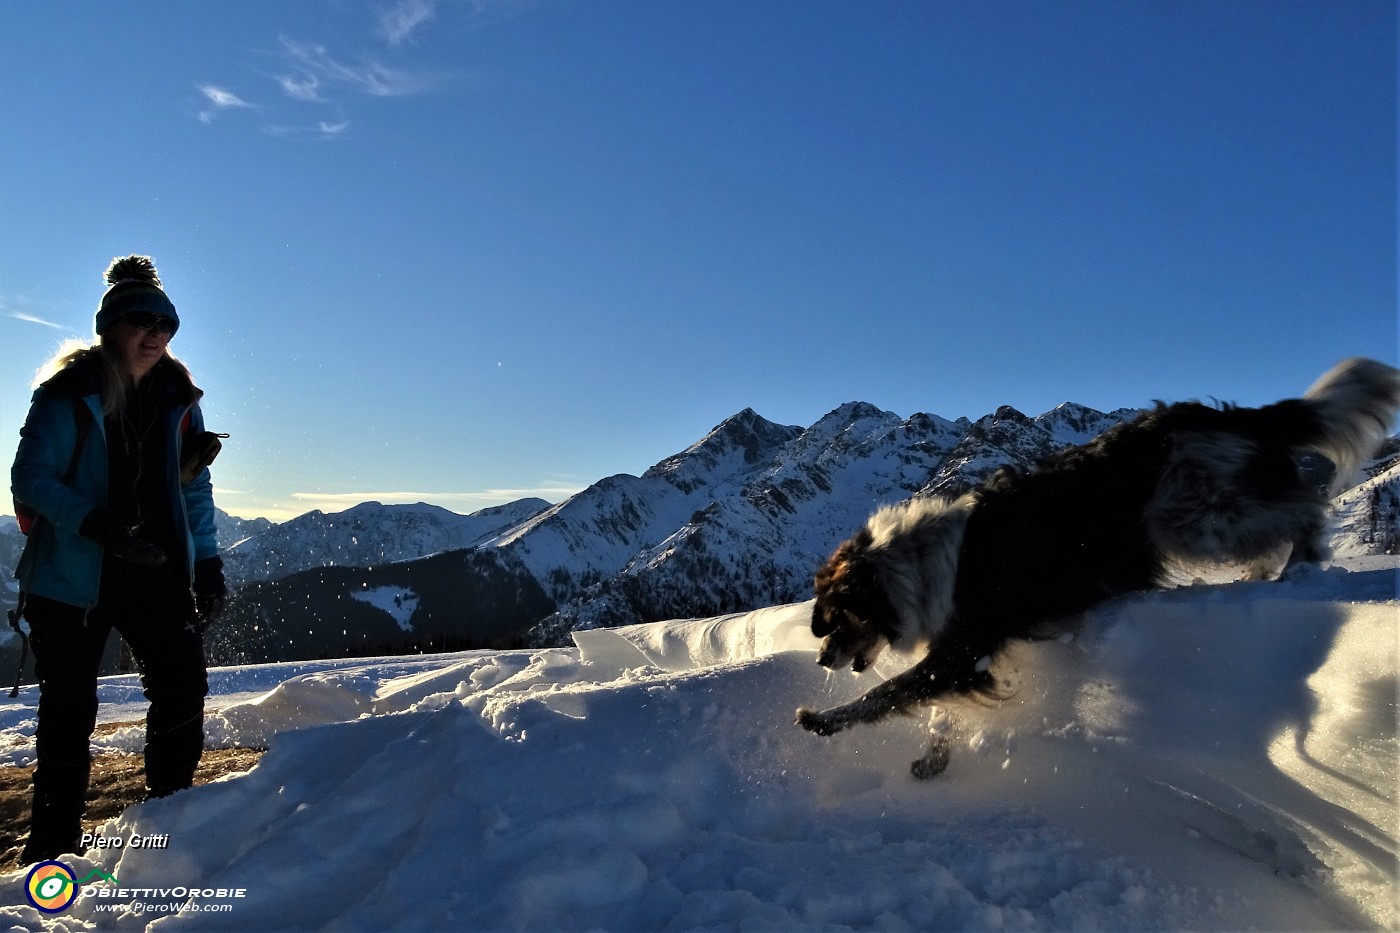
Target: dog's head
{"points": [[852, 615]]}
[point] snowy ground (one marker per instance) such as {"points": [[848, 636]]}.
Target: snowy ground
{"points": [[1215, 757]]}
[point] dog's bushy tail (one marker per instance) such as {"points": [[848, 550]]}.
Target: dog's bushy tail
{"points": [[1355, 402]]}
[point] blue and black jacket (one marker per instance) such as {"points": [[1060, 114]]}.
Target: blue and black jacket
{"points": [[60, 563]]}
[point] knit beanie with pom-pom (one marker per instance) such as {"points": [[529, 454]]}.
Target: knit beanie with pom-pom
{"points": [[133, 287]]}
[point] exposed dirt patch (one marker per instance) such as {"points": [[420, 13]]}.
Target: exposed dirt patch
{"points": [[118, 781]]}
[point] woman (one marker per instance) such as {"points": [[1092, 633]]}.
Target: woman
{"points": [[121, 543]]}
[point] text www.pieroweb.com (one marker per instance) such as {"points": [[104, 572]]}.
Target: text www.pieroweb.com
{"points": [[136, 907]]}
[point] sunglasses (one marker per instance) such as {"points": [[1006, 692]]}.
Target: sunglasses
{"points": [[148, 322]]}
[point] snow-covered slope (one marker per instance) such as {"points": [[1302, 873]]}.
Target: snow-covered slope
{"points": [[1208, 758], [1368, 515]]}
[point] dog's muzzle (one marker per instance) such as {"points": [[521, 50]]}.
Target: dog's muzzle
{"points": [[844, 648]]}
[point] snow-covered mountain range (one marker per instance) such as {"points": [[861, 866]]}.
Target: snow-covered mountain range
{"points": [[736, 521], [364, 536]]}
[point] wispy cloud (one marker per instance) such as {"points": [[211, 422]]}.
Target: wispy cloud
{"points": [[315, 67], [219, 99], [310, 72], [31, 319], [222, 98], [301, 87], [322, 129], [399, 22]]}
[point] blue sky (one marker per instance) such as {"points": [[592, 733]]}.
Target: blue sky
{"points": [[462, 252]]}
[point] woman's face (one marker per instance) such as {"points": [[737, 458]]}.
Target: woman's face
{"points": [[140, 341]]}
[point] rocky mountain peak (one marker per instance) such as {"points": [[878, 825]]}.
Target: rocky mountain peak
{"points": [[731, 448]]}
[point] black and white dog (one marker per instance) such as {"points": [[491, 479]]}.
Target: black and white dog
{"points": [[1026, 553]]}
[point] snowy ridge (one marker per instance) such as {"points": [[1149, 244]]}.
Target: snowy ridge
{"points": [[758, 543], [596, 533], [366, 535], [1072, 423], [233, 530], [1207, 758]]}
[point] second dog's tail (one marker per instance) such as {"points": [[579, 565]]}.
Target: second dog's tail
{"points": [[1356, 402]]}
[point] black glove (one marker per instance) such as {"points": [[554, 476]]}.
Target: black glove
{"points": [[210, 590], [119, 539]]}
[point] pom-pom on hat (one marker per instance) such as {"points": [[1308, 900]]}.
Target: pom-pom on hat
{"points": [[133, 287]]}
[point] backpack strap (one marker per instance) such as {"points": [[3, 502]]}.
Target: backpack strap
{"points": [[82, 418]]}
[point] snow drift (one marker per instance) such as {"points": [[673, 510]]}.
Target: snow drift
{"points": [[1212, 757]]}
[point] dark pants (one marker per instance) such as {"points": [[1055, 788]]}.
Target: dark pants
{"points": [[153, 611]]}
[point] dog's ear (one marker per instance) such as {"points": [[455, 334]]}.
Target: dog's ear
{"points": [[836, 582]]}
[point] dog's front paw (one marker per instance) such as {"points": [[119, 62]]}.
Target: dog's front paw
{"points": [[815, 722]]}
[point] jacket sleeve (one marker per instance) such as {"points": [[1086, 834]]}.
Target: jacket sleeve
{"points": [[199, 500], [46, 443]]}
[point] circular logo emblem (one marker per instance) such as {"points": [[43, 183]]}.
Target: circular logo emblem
{"points": [[51, 887]]}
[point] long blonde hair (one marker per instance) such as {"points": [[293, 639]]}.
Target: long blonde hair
{"points": [[116, 384]]}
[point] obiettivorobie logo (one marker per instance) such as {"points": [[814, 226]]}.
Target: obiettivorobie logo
{"points": [[52, 886]]}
